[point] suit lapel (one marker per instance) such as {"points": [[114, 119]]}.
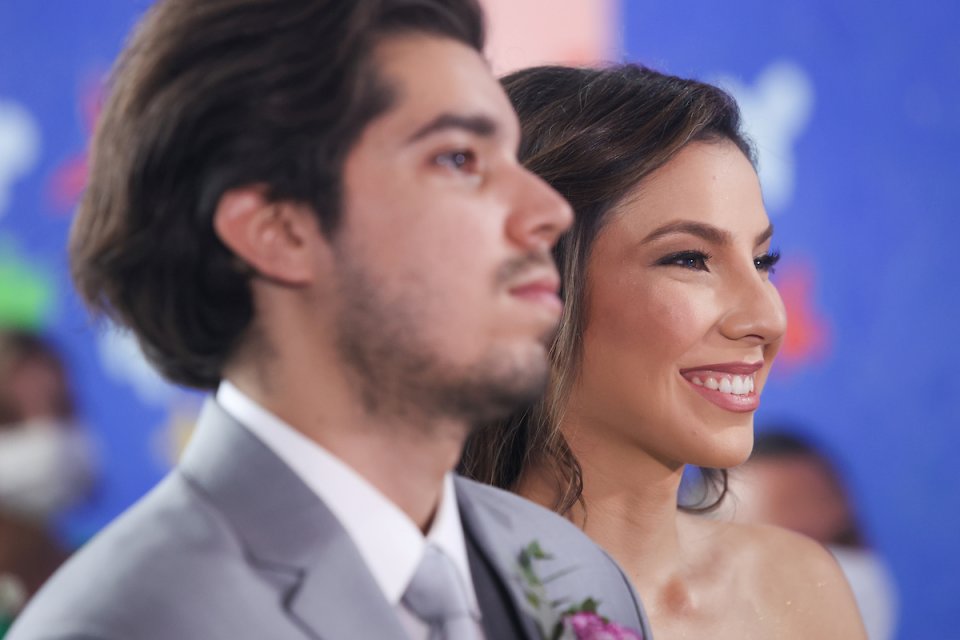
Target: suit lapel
{"points": [[287, 532], [501, 617], [338, 598], [494, 536]]}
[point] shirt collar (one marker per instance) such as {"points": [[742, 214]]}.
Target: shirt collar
{"points": [[389, 542]]}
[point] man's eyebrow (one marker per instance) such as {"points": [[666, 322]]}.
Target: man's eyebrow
{"points": [[477, 124], [706, 231]]}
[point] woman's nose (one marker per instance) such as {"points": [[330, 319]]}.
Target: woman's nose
{"points": [[756, 313]]}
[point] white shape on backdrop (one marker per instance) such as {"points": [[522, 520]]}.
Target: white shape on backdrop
{"points": [[123, 361], [776, 109], [19, 147]]}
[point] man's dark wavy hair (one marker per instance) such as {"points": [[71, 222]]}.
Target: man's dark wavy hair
{"points": [[211, 95]]}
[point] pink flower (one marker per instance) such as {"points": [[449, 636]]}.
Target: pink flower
{"points": [[590, 626]]}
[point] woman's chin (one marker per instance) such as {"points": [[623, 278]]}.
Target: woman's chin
{"points": [[724, 451]]}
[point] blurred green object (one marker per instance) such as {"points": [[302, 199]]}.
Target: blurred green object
{"points": [[26, 291]]}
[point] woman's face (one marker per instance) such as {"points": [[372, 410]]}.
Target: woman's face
{"points": [[682, 321]]}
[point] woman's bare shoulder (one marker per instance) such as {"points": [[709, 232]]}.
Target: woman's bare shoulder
{"points": [[795, 580]]}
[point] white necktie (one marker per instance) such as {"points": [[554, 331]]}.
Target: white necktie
{"points": [[436, 595]]}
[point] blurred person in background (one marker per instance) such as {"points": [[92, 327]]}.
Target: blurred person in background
{"points": [[791, 483], [45, 464], [670, 328]]}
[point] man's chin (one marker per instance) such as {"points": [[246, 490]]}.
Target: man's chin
{"points": [[502, 390], [549, 335]]}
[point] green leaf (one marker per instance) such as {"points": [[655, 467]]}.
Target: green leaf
{"points": [[535, 551], [589, 605], [548, 613]]}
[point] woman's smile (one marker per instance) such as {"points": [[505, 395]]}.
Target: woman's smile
{"points": [[730, 386]]}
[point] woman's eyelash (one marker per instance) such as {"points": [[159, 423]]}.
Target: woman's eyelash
{"points": [[767, 262], [696, 260]]}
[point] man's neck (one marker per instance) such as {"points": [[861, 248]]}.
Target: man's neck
{"points": [[405, 458]]}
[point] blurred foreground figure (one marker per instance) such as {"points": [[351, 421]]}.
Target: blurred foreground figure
{"points": [[790, 483], [45, 464], [313, 209]]}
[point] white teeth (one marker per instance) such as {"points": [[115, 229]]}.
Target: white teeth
{"points": [[739, 385], [734, 385]]}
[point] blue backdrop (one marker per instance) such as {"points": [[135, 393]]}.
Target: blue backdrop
{"points": [[54, 57], [862, 180], [855, 107]]}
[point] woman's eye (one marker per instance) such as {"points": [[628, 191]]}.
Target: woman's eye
{"points": [[767, 262], [460, 160], [695, 260]]}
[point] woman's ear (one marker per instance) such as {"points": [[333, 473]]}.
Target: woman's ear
{"points": [[278, 240]]}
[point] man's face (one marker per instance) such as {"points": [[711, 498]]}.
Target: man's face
{"points": [[447, 293]]}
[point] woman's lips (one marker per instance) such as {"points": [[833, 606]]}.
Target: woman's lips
{"points": [[730, 386]]}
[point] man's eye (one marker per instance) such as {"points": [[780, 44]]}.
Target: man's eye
{"points": [[695, 260], [460, 160], [767, 261]]}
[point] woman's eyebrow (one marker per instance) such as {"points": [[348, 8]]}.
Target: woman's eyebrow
{"points": [[766, 235], [708, 232]]}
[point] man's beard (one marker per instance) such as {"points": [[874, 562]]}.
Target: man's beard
{"points": [[400, 375]]}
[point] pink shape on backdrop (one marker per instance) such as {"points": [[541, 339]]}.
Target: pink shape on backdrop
{"points": [[70, 178], [523, 33], [808, 334]]}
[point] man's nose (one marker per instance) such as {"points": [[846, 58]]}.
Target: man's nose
{"points": [[540, 214]]}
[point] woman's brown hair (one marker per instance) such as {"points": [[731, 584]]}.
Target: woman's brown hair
{"points": [[594, 135]]}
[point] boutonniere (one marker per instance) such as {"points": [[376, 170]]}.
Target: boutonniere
{"points": [[558, 619]]}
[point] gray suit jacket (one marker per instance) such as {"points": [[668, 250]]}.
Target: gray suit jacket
{"points": [[232, 544]]}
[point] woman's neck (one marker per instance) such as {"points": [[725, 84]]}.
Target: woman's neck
{"points": [[629, 508]]}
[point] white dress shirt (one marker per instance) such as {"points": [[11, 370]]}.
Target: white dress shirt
{"points": [[389, 542]]}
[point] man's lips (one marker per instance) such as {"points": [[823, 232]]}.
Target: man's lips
{"points": [[543, 290]]}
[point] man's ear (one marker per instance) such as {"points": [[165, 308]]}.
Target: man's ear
{"points": [[278, 240]]}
